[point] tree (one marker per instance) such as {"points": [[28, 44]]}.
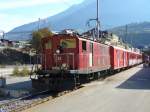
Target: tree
{"points": [[37, 36]]}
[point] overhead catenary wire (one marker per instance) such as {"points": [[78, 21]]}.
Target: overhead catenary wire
{"points": [[97, 28], [98, 22]]}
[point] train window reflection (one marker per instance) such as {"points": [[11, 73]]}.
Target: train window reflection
{"points": [[68, 43]]}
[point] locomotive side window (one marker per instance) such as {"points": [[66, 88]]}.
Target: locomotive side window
{"points": [[48, 45], [83, 45]]}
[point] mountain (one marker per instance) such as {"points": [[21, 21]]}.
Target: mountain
{"points": [[137, 34], [71, 18], [112, 13]]}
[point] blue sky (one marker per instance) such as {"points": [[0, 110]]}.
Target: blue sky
{"points": [[14, 13]]}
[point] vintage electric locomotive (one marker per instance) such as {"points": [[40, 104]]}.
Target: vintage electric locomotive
{"points": [[70, 59]]}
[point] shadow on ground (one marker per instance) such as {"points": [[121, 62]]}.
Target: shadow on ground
{"points": [[140, 80], [15, 90], [20, 85]]}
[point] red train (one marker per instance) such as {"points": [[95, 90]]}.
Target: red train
{"points": [[72, 58]]}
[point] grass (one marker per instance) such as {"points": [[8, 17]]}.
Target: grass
{"points": [[21, 73], [2, 66]]}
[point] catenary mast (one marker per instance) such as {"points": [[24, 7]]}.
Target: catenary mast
{"points": [[97, 19]]}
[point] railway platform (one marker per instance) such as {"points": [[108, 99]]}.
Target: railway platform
{"points": [[127, 91], [14, 86]]}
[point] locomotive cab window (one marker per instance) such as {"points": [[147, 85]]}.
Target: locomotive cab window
{"points": [[48, 45], [83, 45], [68, 43]]}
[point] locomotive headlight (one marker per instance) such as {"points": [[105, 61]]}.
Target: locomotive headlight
{"points": [[64, 65], [58, 51]]}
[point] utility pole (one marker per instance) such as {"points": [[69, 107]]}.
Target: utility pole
{"points": [[39, 20], [126, 33], [97, 27], [97, 19], [131, 39], [42, 23]]}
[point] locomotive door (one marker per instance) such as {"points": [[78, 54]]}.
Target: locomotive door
{"points": [[118, 58], [64, 61], [91, 55], [124, 57]]}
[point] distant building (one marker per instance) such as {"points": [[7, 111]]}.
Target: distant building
{"points": [[146, 48], [4, 43]]}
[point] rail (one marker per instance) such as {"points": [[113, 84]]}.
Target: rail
{"points": [[16, 104], [31, 100]]}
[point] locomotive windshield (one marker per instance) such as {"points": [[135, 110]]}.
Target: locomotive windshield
{"points": [[68, 43]]}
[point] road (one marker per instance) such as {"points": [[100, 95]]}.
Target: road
{"points": [[128, 91]]}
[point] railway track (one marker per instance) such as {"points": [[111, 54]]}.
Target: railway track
{"points": [[32, 100], [29, 101]]}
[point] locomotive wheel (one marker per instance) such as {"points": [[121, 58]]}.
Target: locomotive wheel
{"points": [[97, 75]]}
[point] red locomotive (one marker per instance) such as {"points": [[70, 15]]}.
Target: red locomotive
{"points": [[71, 58]]}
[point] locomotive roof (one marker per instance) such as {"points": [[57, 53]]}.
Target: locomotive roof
{"points": [[126, 50], [80, 37], [85, 38]]}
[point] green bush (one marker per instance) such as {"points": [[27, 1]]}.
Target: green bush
{"points": [[16, 71], [24, 71], [21, 73], [2, 66]]}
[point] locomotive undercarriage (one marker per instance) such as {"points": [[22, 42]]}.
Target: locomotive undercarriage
{"points": [[55, 82], [59, 80], [52, 83], [62, 80]]}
